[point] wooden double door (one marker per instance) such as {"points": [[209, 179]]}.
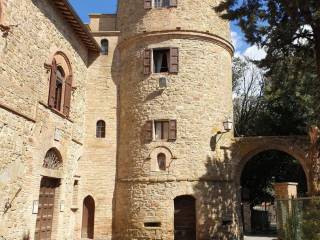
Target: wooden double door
{"points": [[48, 188], [184, 218]]}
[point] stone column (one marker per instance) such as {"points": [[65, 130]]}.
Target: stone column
{"points": [[246, 217], [284, 193]]}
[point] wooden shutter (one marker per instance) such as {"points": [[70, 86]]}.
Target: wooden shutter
{"points": [[147, 61], [174, 60], [147, 4], [173, 3], [149, 131], [67, 96], [172, 130], [52, 84]]}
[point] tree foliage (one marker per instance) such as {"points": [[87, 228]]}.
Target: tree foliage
{"points": [[267, 168], [285, 29]]}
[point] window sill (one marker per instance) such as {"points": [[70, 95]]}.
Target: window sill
{"points": [[55, 111], [162, 140]]}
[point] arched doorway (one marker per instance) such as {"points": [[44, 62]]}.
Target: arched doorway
{"points": [[258, 174], [87, 230], [48, 195], [184, 218]]}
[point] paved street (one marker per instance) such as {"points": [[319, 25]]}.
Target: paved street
{"points": [[258, 238]]}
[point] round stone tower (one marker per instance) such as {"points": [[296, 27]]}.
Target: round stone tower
{"points": [[175, 92]]}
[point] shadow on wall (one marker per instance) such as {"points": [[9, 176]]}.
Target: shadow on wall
{"points": [[217, 208]]}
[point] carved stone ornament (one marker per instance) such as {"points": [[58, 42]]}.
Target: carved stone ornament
{"points": [[52, 160]]}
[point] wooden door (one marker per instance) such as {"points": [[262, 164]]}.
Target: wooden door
{"points": [[184, 218], [87, 230], [46, 208]]}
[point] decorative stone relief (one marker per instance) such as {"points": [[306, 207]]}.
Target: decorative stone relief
{"points": [[52, 160]]}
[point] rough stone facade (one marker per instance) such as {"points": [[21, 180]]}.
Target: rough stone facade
{"points": [[28, 125], [120, 172]]}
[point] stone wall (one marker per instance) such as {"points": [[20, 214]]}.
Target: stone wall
{"points": [[97, 167], [189, 15], [199, 97], [28, 127]]}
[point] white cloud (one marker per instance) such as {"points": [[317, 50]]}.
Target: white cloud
{"points": [[255, 53]]}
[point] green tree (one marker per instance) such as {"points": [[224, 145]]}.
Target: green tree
{"points": [[281, 27]]}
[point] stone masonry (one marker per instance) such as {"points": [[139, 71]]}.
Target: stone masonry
{"points": [[132, 198]]}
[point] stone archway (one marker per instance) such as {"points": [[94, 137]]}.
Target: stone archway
{"points": [[248, 147]]}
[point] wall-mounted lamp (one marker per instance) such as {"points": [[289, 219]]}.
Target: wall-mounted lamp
{"points": [[227, 126]]}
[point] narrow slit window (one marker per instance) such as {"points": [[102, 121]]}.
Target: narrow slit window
{"points": [[101, 129], [104, 46], [162, 161], [161, 60]]}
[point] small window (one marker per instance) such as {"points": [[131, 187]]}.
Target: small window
{"points": [[161, 130], [104, 46], [161, 59], [59, 87], [152, 224], [161, 3], [101, 129], [162, 161]]}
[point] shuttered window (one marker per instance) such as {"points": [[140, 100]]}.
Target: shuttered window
{"points": [[172, 130], [174, 60], [60, 87], [67, 96], [148, 4], [164, 60], [52, 88], [149, 130], [161, 130], [147, 61]]}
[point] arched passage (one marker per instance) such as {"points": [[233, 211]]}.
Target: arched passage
{"points": [[185, 218], [88, 213], [258, 171]]}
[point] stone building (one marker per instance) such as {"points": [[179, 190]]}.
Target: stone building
{"points": [[114, 130]]}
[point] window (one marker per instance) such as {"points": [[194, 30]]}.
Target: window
{"points": [[162, 161], [104, 46], [101, 129], [60, 89], [148, 4], [161, 59], [59, 86], [165, 60], [161, 130], [161, 3]]}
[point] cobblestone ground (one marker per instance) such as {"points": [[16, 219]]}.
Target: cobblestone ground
{"points": [[259, 238]]}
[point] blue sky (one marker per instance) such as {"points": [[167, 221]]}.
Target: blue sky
{"points": [[85, 7]]}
